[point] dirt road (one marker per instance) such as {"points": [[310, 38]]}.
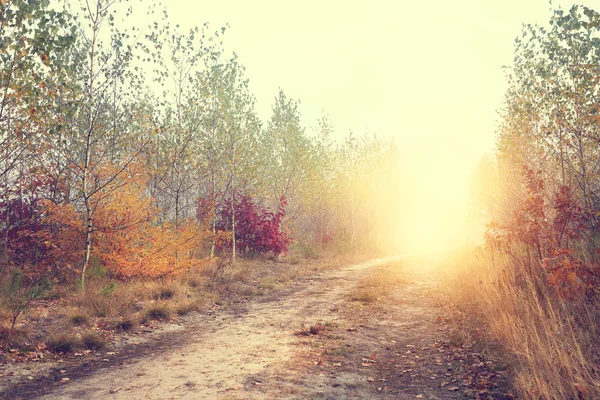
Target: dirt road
{"points": [[389, 347]]}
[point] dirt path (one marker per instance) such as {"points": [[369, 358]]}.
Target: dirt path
{"points": [[390, 348]]}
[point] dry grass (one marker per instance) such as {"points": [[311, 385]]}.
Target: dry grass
{"points": [[93, 341], [268, 283], [64, 342], [122, 323], [552, 345], [95, 302], [19, 337], [78, 317], [121, 306], [188, 306], [159, 311]]}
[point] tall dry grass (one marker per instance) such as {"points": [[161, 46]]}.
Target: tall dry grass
{"points": [[551, 344]]}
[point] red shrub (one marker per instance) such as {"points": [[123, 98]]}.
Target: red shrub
{"points": [[257, 229]]}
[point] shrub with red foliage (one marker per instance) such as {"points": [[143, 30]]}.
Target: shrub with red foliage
{"points": [[257, 229], [571, 221], [23, 231], [559, 234]]}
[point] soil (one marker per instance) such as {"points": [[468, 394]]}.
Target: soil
{"points": [[308, 340]]}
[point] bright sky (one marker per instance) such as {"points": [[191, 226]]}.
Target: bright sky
{"points": [[427, 73]]}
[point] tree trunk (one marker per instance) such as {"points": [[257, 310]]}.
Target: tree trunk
{"points": [[86, 165], [233, 244], [87, 250], [214, 216]]}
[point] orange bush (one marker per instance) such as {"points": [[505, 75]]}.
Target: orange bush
{"points": [[128, 239]]}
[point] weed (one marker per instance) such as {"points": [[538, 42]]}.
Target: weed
{"points": [[17, 295], [315, 329]]}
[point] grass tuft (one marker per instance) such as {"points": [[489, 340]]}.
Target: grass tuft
{"points": [[188, 306], [165, 293], [93, 341], [64, 342], [78, 318], [122, 323], [159, 311], [18, 337]]}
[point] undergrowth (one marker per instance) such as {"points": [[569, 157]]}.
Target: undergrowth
{"points": [[117, 306], [551, 343]]}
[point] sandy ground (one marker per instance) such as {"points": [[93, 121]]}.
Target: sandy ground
{"points": [[393, 348]]}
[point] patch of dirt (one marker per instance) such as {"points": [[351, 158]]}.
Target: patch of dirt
{"points": [[392, 347]]}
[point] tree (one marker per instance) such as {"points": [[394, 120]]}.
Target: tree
{"points": [[99, 124], [34, 39], [230, 140], [287, 151]]}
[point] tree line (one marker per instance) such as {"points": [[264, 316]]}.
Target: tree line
{"points": [[138, 149]]}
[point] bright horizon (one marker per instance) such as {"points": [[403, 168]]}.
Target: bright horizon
{"points": [[428, 75]]}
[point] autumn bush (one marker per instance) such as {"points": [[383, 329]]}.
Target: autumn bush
{"points": [[28, 235], [43, 234], [257, 229], [557, 238]]}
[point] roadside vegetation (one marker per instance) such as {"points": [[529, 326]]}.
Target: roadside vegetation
{"points": [[66, 320], [530, 293]]}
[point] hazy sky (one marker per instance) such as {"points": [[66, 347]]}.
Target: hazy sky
{"points": [[427, 73]]}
